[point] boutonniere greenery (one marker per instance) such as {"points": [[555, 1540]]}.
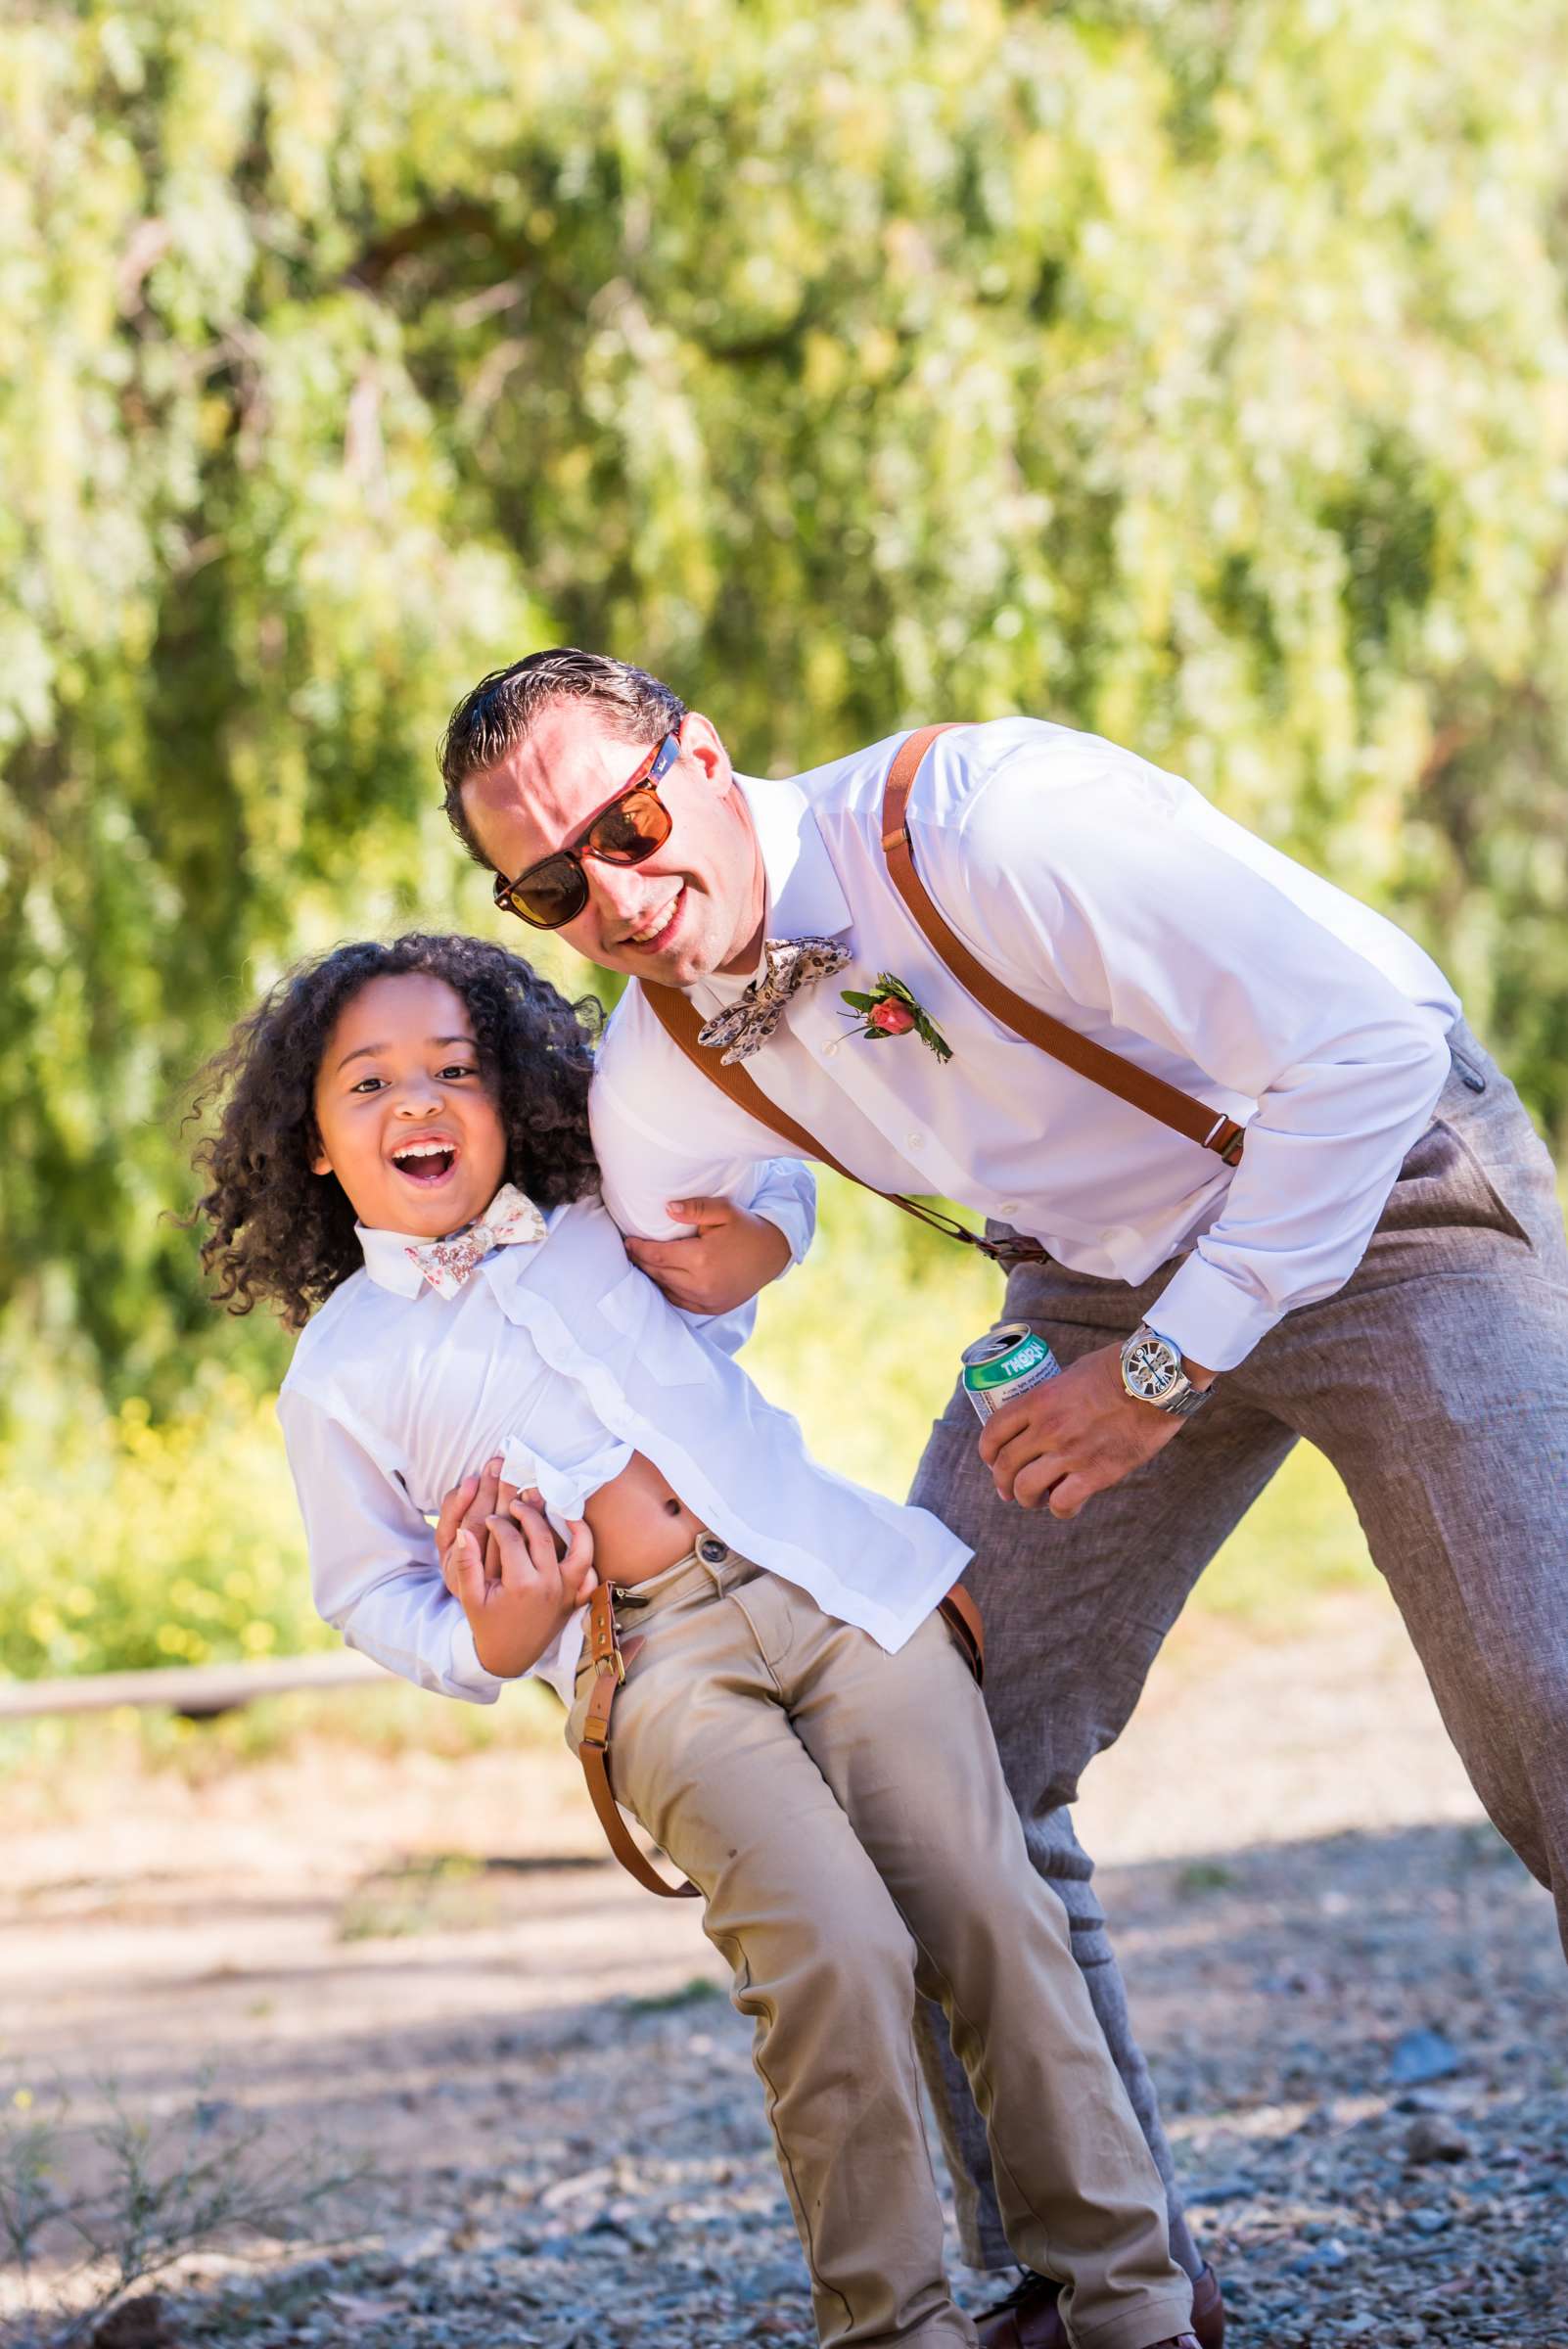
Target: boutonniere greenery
{"points": [[889, 1010]]}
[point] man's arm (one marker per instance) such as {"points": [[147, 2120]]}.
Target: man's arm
{"points": [[1128, 907], [709, 1212], [1124, 906]]}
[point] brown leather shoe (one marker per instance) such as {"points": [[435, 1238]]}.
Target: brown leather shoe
{"points": [[1207, 2312], [1030, 2319]]}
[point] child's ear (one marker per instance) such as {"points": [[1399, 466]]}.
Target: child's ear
{"points": [[321, 1164]]}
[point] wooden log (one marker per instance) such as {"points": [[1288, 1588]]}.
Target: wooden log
{"points": [[199, 1691]]}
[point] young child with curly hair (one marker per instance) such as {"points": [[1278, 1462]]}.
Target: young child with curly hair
{"points": [[403, 1168]]}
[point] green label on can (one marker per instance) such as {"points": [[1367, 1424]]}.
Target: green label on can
{"points": [[1004, 1369]]}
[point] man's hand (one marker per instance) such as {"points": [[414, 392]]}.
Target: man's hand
{"points": [[516, 1613], [1075, 1436], [730, 1254]]}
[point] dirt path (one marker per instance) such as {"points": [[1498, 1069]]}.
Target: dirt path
{"points": [[1351, 1991]]}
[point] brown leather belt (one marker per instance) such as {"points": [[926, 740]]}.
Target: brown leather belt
{"points": [[610, 1656]]}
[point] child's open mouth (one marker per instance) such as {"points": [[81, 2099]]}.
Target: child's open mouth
{"points": [[425, 1165]]}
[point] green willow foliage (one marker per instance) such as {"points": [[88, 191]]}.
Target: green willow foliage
{"points": [[1193, 372]]}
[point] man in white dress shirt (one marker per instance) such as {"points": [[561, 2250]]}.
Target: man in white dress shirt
{"points": [[1383, 1271]]}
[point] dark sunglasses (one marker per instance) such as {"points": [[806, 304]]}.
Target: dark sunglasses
{"points": [[636, 821]]}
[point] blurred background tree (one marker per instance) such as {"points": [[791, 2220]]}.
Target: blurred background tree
{"points": [[1193, 374]]}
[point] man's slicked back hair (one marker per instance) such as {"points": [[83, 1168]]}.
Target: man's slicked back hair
{"points": [[496, 716]]}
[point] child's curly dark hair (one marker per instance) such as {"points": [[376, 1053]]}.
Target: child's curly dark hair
{"points": [[284, 1235]]}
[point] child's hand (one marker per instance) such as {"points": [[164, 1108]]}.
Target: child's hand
{"points": [[471, 1505], [484, 1494], [515, 1618], [728, 1255]]}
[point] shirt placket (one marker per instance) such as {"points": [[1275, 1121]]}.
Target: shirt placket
{"points": [[866, 1074]]}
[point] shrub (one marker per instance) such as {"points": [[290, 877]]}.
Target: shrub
{"points": [[136, 1543]]}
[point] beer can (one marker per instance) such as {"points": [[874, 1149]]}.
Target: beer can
{"points": [[1006, 1363]]}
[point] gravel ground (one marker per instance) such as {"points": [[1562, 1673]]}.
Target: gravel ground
{"points": [[1351, 1993]]}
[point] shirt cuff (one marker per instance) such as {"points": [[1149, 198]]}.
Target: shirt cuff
{"points": [[785, 1196], [467, 1675], [793, 1217], [1208, 1318]]}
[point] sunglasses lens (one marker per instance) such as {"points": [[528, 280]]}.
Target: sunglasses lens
{"points": [[630, 830], [555, 890], [552, 893]]}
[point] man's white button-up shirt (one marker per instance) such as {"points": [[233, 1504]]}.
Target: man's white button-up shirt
{"points": [[565, 1359], [1113, 897]]}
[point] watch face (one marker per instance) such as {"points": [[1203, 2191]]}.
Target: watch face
{"points": [[1151, 1367]]}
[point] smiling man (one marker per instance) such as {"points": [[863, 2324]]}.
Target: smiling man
{"points": [[1253, 1176]]}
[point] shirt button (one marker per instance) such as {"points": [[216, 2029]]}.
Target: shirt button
{"points": [[915, 1141], [1008, 1206]]}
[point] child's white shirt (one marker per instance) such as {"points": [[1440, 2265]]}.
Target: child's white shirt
{"points": [[564, 1358]]}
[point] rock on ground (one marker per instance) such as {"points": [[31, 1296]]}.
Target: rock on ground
{"points": [[1351, 1993]]}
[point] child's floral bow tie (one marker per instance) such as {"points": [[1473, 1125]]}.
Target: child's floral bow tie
{"points": [[510, 1217]]}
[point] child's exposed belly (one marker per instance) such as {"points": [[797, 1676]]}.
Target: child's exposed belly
{"points": [[639, 1525]]}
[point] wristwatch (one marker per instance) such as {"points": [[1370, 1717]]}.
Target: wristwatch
{"points": [[1153, 1371]]}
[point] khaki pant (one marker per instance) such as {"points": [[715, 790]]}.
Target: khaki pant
{"points": [[843, 1813]]}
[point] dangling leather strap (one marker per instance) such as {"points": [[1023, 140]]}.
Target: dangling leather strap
{"points": [[610, 1656], [1200, 1123], [681, 1021], [609, 1669]]}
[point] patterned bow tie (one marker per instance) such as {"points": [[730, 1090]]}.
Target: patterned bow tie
{"points": [[511, 1216], [788, 963]]}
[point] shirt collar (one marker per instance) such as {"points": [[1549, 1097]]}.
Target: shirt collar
{"points": [[389, 1266], [804, 895], [387, 1262]]}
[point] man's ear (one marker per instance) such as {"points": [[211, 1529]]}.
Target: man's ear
{"points": [[699, 740]]}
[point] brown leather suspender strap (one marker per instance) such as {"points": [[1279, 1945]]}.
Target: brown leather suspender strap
{"points": [[610, 1657], [609, 1669], [681, 1022], [1195, 1118]]}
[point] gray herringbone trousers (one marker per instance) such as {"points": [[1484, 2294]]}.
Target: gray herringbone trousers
{"points": [[1436, 1381]]}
